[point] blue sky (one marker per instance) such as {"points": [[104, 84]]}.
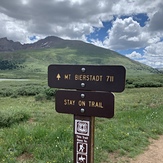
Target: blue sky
{"points": [[133, 28], [139, 22], [101, 33]]}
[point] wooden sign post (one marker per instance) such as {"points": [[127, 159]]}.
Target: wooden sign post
{"points": [[83, 139], [85, 103]]}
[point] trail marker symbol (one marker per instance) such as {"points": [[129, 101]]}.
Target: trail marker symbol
{"points": [[58, 76]]}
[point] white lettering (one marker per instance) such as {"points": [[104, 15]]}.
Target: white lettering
{"points": [[88, 77], [69, 102]]}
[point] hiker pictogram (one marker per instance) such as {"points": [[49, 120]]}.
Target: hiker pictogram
{"points": [[81, 147]]}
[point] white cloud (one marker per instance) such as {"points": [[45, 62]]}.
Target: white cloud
{"points": [[68, 18], [134, 55], [152, 63], [75, 19], [97, 43], [24, 2], [62, 18], [126, 34], [154, 50], [129, 7], [15, 31], [156, 24], [152, 56]]}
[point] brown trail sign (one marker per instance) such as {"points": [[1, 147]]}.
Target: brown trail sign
{"points": [[87, 77], [86, 103]]}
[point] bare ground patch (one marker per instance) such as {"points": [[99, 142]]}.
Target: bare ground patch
{"points": [[25, 157], [153, 154]]}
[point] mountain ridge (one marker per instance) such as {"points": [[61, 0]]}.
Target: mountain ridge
{"points": [[10, 45], [34, 58], [7, 45]]}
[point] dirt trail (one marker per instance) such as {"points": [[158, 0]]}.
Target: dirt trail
{"points": [[154, 153]]}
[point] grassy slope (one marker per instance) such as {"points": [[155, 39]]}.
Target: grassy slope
{"points": [[35, 62], [48, 136]]}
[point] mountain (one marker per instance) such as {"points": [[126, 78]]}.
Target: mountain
{"points": [[9, 45], [48, 42], [32, 60]]}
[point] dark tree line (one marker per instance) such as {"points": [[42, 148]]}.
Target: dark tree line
{"points": [[9, 65]]}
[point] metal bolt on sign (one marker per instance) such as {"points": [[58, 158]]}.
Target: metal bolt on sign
{"points": [[82, 85], [82, 95], [82, 110], [83, 69]]}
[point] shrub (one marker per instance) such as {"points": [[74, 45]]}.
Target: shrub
{"points": [[40, 97], [28, 90], [130, 86], [6, 64], [147, 84], [50, 92], [14, 95], [9, 118], [5, 92]]}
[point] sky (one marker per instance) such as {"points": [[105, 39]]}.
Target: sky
{"points": [[133, 28]]}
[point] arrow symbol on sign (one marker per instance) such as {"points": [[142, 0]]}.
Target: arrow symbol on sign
{"points": [[58, 76]]}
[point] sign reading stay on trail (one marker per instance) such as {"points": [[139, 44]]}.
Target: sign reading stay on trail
{"points": [[87, 77], [85, 103]]}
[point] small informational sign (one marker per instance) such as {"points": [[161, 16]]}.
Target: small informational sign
{"points": [[87, 77], [85, 103], [83, 139]]}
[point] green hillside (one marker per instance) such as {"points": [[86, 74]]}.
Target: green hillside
{"points": [[33, 63]]}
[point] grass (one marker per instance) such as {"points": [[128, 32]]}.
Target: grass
{"points": [[33, 63], [138, 117], [40, 136], [30, 129], [45, 136]]}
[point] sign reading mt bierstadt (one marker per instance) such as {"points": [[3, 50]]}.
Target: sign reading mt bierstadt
{"points": [[87, 77]]}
